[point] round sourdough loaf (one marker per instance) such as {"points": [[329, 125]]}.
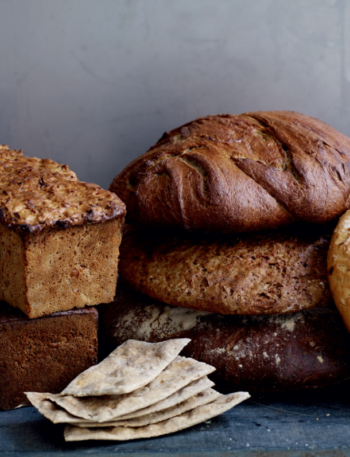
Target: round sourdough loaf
{"points": [[339, 267], [254, 353], [261, 273], [238, 173]]}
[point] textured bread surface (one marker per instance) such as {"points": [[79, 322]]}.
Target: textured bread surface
{"points": [[255, 353], [261, 273], [59, 237], [237, 173], [36, 194], [338, 262], [43, 355], [57, 270]]}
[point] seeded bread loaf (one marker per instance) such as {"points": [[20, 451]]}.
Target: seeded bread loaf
{"points": [[45, 354], [59, 237], [255, 353], [238, 173], [262, 273]]}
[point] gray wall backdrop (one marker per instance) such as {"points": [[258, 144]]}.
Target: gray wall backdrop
{"points": [[94, 83]]}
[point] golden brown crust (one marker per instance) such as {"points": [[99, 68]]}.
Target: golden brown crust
{"points": [[37, 194], [263, 273], [338, 262], [57, 270], [237, 173]]}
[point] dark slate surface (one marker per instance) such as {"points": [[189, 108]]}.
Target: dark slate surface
{"points": [[304, 424]]}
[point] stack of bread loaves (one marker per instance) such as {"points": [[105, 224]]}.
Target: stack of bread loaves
{"points": [[231, 218], [59, 247]]}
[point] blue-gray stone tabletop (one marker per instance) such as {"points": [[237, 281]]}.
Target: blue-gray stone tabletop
{"points": [[310, 423]]}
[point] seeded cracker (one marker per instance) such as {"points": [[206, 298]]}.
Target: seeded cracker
{"points": [[197, 415], [183, 394], [132, 365], [57, 415], [202, 398], [178, 374], [50, 410]]}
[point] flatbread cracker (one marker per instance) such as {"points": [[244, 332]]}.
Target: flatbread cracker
{"points": [[58, 415], [50, 410], [131, 366], [178, 374], [196, 416], [181, 395], [202, 398]]}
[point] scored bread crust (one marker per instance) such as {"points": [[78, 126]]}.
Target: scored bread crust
{"points": [[237, 173], [261, 273]]}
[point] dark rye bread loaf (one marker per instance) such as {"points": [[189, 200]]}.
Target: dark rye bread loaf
{"points": [[238, 173], [44, 354], [260, 273], [258, 354]]}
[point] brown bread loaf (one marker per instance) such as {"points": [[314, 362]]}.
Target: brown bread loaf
{"points": [[255, 353], [44, 354], [238, 173], [260, 273], [59, 237]]}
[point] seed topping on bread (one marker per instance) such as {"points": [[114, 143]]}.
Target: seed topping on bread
{"points": [[40, 193]]}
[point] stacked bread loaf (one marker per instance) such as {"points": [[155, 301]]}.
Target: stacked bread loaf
{"points": [[231, 218], [59, 250]]}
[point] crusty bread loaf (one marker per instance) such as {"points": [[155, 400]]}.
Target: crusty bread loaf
{"points": [[338, 262], [230, 173], [59, 237], [261, 273], [254, 353], [45, 354]]}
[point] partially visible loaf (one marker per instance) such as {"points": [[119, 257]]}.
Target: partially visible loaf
{"points": [[45, 354], [239, 173], [338, 261], [59, 237], [263, 273], [275, 353]]}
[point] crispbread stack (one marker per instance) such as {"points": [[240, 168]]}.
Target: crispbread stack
{"points": [[59, 248], [141, 390], [233, 215]]}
